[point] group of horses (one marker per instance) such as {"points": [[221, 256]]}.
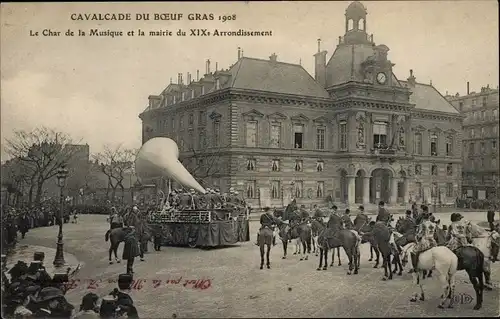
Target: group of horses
{"points": [[313, 235]]}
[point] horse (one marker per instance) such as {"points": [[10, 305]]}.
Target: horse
{"points": [[440, 258], [471, 259], [380, 235], [331, 238], [115, 237], [265, 239], [317, 225], [301, 233], [486, 242], [335, 223], [364, 225]]}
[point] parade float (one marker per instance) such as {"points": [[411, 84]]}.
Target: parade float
{"points": [[159, 157]]}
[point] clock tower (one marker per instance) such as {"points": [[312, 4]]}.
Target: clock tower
{"points": [[377, 69]]}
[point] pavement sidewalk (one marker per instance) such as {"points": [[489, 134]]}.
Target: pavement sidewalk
{"points": [[25, 253]]}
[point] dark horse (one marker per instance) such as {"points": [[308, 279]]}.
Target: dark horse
{"points": [[335, 238], [362, 224], [115, 236], [471, 259], [380, 236], [301, 232], [265, 239]]}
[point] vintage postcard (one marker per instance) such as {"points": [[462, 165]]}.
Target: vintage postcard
{"points": [[250, 159]]}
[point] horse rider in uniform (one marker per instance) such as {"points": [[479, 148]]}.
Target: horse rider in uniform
{"points": [[116, 220], [361, 215], [335, 219], [458, 233], [409, 218], [304, 214], [425, 239], [383, 215], [346, 219], [267, 220]]}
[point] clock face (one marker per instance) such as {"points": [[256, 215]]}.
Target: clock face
{"points": [[381, 78]]}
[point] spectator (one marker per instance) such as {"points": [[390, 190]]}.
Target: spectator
{"points": [[88, 308], [491, 218]]}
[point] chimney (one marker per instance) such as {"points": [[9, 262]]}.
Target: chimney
{"points": [[411, 79], [431, 83], [170, 80], [197, 75], [319, 45], [239, 53], [468, 88], [273, 57], [182, 80], [208, 67], [178, 78], [216, 66], [320, 67], [188, 78]]}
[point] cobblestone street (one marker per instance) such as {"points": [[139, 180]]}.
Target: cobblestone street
{"points": [[292, 288]]}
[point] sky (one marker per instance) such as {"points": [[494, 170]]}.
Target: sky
{"points": [[94, 88]]}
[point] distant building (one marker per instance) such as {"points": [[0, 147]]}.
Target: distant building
{"points": [[481, 170], [353, 132]]}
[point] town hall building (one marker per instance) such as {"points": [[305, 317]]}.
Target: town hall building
{"points": [[353, 133]]}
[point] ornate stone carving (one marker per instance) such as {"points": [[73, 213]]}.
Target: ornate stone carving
{"points": [[360, 120]]}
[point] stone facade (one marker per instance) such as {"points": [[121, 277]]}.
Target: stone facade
{"points": [[354, 132], [480, 143]]}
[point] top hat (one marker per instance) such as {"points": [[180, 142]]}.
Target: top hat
{"points": [[34, 266], [125, 281], [60, 278]]}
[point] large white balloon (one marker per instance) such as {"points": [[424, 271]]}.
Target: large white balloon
{"points": [[160, 157]]}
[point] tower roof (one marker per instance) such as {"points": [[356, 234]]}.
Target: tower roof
{"points": [[356, 10]]}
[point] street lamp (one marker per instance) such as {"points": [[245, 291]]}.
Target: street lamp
{"points": [[61, 175]]}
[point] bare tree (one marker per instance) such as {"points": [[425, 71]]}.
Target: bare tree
{"points": [[204, 164], [115, 162], [40, 152]]}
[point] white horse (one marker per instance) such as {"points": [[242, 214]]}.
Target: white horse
{"points": [[439, 258], [483, 240]]}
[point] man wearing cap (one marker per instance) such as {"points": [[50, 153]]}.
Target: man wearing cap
{"points": [[490, 216], [267, 220], [116, 221], [346, 219], [361, 218], [409, 219], [131, 249], [383, 215], [335, 220], [425, 239], [458, 233]]}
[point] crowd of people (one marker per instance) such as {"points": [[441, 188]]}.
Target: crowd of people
{"points": [[30, 292]]}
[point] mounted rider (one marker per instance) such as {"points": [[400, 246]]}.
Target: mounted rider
{"points": [[346, 220], [361, 216], [335, 221], [383, 214], [409, 219], [267, 220], [115, 220], [425, 239], [304, 214], [459, 232]]}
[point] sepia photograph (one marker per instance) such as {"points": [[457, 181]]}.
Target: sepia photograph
{"points": [[250, 159]]}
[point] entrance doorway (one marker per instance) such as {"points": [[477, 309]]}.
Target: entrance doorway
{"points": [[380, 189]]}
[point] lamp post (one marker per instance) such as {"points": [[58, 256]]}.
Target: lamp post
{"points": [[61, 175]]}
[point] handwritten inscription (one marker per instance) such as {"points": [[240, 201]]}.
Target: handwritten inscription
{"points": [[138, 284]]}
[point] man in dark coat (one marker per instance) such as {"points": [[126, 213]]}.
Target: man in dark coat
{"points": [[346, 219], [490, 217], [361, 218], [267, 220], [131, 249], [383, 214]]}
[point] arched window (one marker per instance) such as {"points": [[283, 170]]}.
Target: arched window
{"points": [[350, 24], [361, 24]]}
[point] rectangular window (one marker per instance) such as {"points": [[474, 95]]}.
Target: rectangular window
{"points": [[299, 189], [320, 165], [495, 130], [495, 113], [449, 189], [189, 146], [275, 140], [251, 189], [473, 102], [434, 170], [472, 133], [485, 100], [380, 134], [343, 135], [460, 106], [251, 130], [483, 148], [434, 144], [320, 189], [275, 189], [434, 190], [481, 162], [173, 124], [298, 165], [181, 122], [494, 146], [449, 169], [191, 119], [216, 133], [418, 143], [298, 136], [320, 138], [202, 120], [483, 115], [251, 163], [449, 146], [472, 149], [483, 131], [275, 165]]}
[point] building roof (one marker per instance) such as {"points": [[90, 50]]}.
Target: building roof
{"points": [[426, 97], [274, 76], [345, 64]]}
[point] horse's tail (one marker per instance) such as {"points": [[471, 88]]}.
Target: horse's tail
{"points": [[106, 237]]}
